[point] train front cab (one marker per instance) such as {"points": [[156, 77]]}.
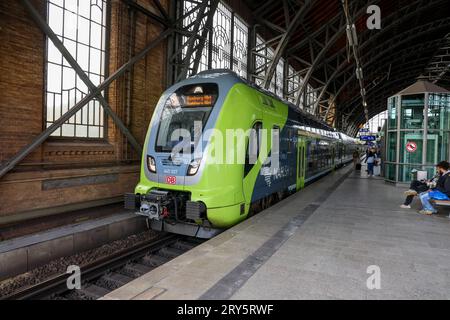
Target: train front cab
{"points": [[191, 195], [202, 198]]}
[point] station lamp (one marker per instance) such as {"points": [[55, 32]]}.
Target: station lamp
{"points": [[359, 73], [351, 35]]}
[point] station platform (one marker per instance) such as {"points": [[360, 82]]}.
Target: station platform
{"points": [[316, 244]]}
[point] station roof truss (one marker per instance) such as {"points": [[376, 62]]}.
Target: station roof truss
{"points": [[413, 43]]}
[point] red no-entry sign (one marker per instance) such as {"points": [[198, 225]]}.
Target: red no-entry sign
{"points": [[411, 146]]}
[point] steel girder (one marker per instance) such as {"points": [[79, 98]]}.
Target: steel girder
{"points": [[409, 12], [389, 22], [206, 31], [378, 95], [439, 65], [387, 91], [416, 32], [294, 13], [94, 91], [291, 25], [186, 55], [325, 46], [164, 20], [387, 63], [406, 37]]}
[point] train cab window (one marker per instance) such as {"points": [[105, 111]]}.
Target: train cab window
{"points": [[184, 114], [253, 146]]}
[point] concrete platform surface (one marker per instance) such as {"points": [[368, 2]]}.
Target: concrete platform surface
{"points": [[344, 237]]}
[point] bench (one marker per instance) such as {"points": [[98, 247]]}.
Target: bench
{"points": [[442, 204]]}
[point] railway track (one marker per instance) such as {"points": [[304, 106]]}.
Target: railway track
{"points": [[109, 273]]}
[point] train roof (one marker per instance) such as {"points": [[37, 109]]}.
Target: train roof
{"points": [[233, 76]]}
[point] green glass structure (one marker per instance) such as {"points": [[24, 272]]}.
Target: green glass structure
{"points": [[418, 129]]}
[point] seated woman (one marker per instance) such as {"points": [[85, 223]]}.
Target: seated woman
{"points": [[417, 187], [441, 192]]}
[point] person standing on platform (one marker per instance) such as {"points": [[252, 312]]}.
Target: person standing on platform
{"points": [[441, 192], [371, 158]]}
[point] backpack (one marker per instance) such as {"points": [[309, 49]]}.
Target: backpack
{"points": [[438, 195]]}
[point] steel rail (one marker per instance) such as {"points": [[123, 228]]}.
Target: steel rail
{"points": [[58, 284]]}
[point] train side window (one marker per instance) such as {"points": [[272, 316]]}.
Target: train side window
{"points": [[290, 140], [252, 153], [276, 134]]}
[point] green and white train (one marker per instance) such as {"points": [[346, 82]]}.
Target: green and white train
{"points": [[199, 198]]}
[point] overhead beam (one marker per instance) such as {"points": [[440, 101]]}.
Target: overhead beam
{"points": [[207, 29], [191, 43], [391, 22], [413, 33], [279, 51], [323, 51], [165, 21]]}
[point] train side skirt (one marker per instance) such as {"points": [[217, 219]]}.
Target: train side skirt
{"points": [[187, 229]]}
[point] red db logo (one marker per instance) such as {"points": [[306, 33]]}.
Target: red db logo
{"points": [[171, 180]]}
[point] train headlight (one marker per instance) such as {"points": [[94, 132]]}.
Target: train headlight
{"points": [[193, 167], [151, 164]]}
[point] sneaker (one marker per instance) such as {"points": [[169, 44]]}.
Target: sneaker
{"points": [[404, 206], [411, 193], [426, 212]]}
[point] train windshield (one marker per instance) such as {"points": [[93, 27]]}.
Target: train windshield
{"points": [[184, 116]]}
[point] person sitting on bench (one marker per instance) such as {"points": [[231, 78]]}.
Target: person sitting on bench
{"points": [[441, 192], [417, 187]]}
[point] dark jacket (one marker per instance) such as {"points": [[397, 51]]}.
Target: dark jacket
{"points": [[443, 184], [371, 154]]}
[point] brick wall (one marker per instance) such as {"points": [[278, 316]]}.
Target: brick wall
{"points": [[133, 97]]}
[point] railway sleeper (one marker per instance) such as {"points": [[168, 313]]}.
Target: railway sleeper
{"points": [[154, 260], [184, 245], [113, 280], [135, 270], [170, 252], [92, 292]]}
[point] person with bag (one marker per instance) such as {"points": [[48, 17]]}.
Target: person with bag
{"points": [[441, 192], [371, 159], [417, 187]]}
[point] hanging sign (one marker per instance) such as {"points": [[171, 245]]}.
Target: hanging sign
{"points": [[368, 138]]}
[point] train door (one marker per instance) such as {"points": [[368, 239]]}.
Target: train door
{"points": [[249, 181], [301, 162]]}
